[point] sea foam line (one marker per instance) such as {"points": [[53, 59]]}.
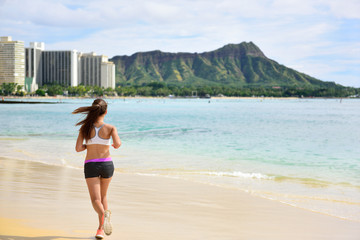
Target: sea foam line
{"points": [[238, 174], [171, 172]]}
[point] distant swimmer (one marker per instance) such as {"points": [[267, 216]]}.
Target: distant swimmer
{"points": [[98, 166]]}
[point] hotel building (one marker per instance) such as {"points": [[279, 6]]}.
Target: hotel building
{"points": [[96, 70], [108, 74], [34, 66], [12, 61], [59, 67]]}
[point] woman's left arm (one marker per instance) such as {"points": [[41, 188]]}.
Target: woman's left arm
{"points": [[80, 146], [116, 139]]}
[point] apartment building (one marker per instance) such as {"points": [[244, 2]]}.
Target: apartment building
{"points": [[12, 61], [96, 70], [59, 67], [33, 66]]}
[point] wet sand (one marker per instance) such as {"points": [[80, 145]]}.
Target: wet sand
{"points": [[45, 202]]}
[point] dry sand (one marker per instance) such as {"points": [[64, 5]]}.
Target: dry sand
{"points": [[46, 202]]}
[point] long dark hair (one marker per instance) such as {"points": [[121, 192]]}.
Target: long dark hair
{"points": [[97, 109]]}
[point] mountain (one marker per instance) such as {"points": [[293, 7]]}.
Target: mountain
{"points": [[235, 65]]}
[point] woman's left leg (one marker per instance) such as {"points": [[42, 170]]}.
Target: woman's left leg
{"points": [[104, 185]]}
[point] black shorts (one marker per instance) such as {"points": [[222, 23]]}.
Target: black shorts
{"points": [[99, 169]]}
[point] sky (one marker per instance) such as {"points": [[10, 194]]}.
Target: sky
{"points": [[318, 37]]}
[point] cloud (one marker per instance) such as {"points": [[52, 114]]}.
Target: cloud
{"points": [[344, 9]]}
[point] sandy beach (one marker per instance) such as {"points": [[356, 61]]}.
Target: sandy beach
{"points": [[40, 201]]}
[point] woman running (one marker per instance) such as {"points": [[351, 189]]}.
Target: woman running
{"points": [[99, 167]]}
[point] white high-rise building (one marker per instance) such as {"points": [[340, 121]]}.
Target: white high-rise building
{"points": [[59, 67], [90, 69], [108, 75], [12, 61], [33, 66], [96, 70]]}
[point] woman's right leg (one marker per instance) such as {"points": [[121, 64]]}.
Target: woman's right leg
{"points": [[94, 187]]}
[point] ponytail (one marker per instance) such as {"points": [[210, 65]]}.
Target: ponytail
{"points": [[93, 112]]}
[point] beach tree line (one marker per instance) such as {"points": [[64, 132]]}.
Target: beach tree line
{"points": [[7, 89], [160, 89]]}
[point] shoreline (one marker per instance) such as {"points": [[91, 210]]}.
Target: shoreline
{"points": [[37, 200]]}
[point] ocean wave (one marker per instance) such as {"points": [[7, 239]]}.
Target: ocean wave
{"points": [[183, 172], [147, 174], [239, 174], [164, 132], [24, 136]]}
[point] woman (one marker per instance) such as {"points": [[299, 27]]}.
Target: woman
{"points": [[99, 167]]}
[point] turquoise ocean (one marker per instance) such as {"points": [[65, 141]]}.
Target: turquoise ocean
{"points": [[302, 152]]}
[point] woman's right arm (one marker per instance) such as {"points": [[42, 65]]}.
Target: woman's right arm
{"points": [[115, 137], [80, 146]]}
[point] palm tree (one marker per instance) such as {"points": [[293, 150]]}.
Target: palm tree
{"points": [[8, 88]]}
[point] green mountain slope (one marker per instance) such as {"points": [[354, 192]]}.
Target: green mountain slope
{"points": [[235, 65]]}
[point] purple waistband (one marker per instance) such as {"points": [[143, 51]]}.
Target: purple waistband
{"points": [[98, 160]]}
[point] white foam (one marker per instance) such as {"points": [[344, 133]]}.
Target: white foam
{"points": [[148, 174], [238, 174]]}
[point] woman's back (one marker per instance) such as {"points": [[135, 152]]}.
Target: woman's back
{"points": [[98, 145]]}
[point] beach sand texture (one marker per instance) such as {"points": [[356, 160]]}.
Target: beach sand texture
{"points": [[40, 201]]}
